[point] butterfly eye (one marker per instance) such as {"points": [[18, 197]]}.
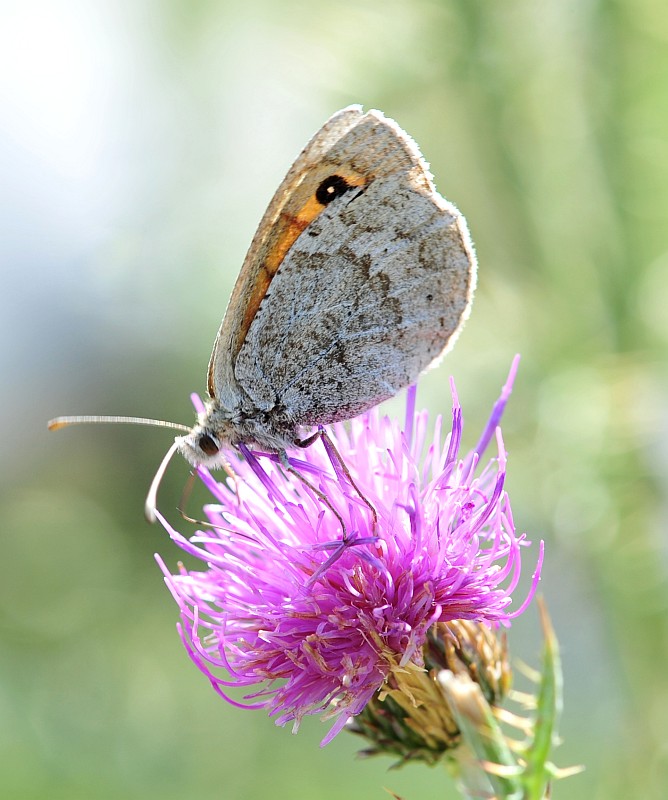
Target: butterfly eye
{"points": [[208, 444], [330, 189]]}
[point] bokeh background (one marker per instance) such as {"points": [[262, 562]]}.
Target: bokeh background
{"points": [[139, 145]]}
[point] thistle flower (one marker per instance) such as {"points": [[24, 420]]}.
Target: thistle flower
{"points": [[307, 617]]}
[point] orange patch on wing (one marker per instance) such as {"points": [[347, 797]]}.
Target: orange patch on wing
{"points": [[287, 230]]}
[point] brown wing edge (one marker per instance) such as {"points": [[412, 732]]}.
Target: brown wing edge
{"points": [[335, 127]]}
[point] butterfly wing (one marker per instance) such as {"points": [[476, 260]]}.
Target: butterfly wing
{"points": [[374, 274]]}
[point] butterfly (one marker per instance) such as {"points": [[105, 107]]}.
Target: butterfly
{"points": [[359, 277]]}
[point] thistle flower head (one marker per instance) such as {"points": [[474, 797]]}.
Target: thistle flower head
{"points": [[308, 616], [410, 717]]}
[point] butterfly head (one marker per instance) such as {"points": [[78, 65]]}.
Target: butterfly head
{"points": [[213, 432], [203, 446]]}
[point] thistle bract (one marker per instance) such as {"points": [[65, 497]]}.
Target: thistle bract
{"points": [[308, 600]]}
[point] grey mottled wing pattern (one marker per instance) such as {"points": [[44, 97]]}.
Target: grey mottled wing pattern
{"points": [[369, 295]]}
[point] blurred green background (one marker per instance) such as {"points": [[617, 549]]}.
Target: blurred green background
{"points": [[139, 145]]}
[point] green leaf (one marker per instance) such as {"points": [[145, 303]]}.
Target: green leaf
{"points": [[538, 770]]}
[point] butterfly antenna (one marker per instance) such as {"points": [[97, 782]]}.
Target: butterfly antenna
{"points": [[150, 506], [64, 422]]}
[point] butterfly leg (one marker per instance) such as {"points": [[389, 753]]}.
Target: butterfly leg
{"points": [[185, 497], [338, 547], [187, 491], [285, 463], [333, 452]]}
